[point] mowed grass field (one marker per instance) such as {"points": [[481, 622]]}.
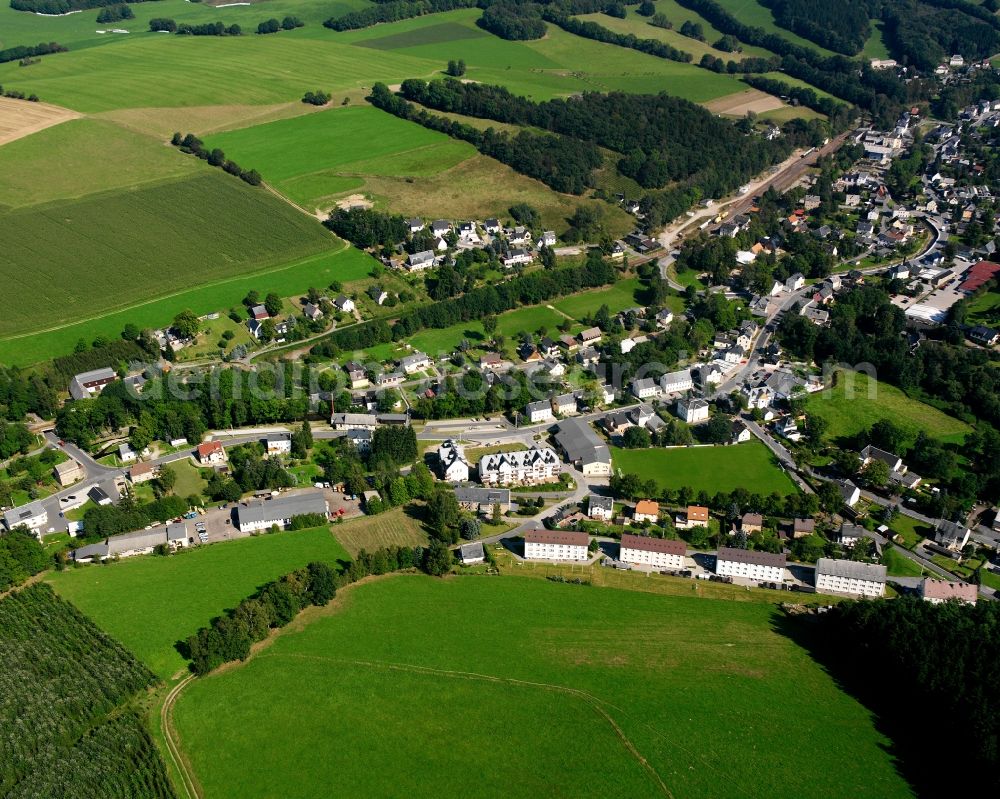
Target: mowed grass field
{"points": [[486, 695], [307, 158], [394, 528], [750, 465], [851, 407], [148, 603]]}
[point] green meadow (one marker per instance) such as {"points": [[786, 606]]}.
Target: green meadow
{"points": [[521, 687], [308, 157], [725, 468], [148, 603], [853, 405]]}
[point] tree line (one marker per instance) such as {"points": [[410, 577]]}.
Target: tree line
{"points": [[840, 25], [561, 163], [215, 157], [513, 20], [273, 26], [591, 30], [229, 638], [22, 51], [393, 12], [115, 13], [54, 7]]}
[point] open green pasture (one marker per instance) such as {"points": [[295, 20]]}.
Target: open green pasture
{"points": [[853, 406], [70, 261], [479, 693], [149, 603], [307, 157], [712, 469], [623, 294]]}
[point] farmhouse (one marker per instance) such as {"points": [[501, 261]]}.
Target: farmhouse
{"points": [[452, 464], [850, 577], [68, 472], [602, 508], [530, 466], [750, 564], [354, 421], [660, 553], [646, 510], [541, 544], [482, 500], [211, 453], [692, 409], [582, 447], [88, 384], [264, 514], [33, 516], [938, 591]]}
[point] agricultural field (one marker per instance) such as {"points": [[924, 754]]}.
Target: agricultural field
{"points": [[753, 12], [348, 694], [394, 528], [851, 410], [67, 689], [712, 469], [20, 118], [149, 602]]}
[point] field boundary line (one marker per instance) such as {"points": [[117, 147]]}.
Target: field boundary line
{"points": [[595, 702], [173, 748]]}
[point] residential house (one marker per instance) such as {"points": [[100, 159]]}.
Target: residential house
{"points": [[984, 336], [951, 535], [452, 464], [583, 448], [516, 256], [539, 411], [483, 501], [418, 261], [378, 294], [646, 510], [361, 439], [675, 382], [415, 225], [836, 576], [695, 516], [850, 534], [526, 467], [259, 313], [140, 542], [542, 544], [416, 362], [33, 516], [353, 421], [89, 384], [740, 432], [263, 514], [664, 317], [103, 495], [440, 227], [312, 312], [850, 493], [471, 553], [602, 508], [658, 553], [519, 236], [492, 226], [795, 282], [211, 453], [142, 473], [278, 443], [590, 336], [692, 409], [788, 428], [894, 462], [646, 387], [588, 357], [750, 564], [344, 304], [751, 523], [548, 239], [802, 527], [68, 472], [938, 591], [389, 379], [564, 404]]}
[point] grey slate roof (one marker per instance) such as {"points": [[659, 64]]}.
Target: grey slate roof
{"points": [[280, 508], [852, 570], [580, 443]]}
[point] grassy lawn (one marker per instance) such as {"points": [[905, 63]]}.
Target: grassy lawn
{"points": [[989, 579], [148, 603], [898, 565], [712, 469], [307, 157], [189, 479], [394, 528], [850, 411], [349, 693], [910, 530], [623, 294], [985, 309]]}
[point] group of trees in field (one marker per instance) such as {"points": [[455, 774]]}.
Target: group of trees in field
{"points": [[215, 157], [366, 227], [393, 12], [115, 13], [67, 729], [513, 20], [947, 655], [229, 638], [316, 98], [22, 52], [273, 25], [21, 557], [563, 164], [161, 24]]}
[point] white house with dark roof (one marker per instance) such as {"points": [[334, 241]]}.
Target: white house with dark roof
{"points": [[602, 508], [452, 464], [418, 261], [414, 362], [471, 553], [657, 553], [894, 462], [951, 535], [89, 384], [482, 501], [750, 564], [539, 411], [33, 516], [674, 382], [692, 409], [835, 576], [263, 514]]}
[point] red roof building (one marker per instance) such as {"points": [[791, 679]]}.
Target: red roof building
{"points": [[979, 274]]}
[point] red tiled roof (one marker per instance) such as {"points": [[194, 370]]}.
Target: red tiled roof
{"points": [[978, 274], [209, 448]]}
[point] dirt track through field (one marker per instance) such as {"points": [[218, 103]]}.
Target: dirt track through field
{"points": [[19, 118]]}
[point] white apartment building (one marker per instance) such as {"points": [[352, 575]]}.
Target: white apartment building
{"points": [[750, 565], [660, 553], [540, 411], [544, 544], [835, 576], [529, 466], [673, 382]]}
